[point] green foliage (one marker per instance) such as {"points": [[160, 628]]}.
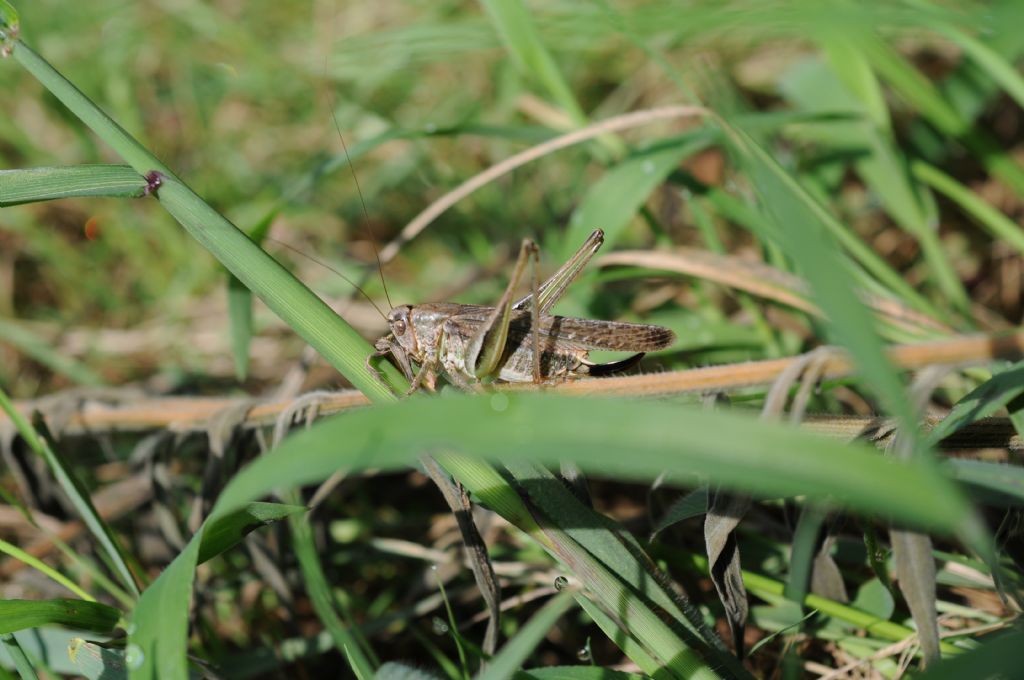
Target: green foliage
{"points": [[824, 160]]}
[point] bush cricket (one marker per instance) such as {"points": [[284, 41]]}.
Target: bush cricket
{"points": [[512, 341]]}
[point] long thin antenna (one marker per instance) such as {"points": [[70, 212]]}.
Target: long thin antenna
{"points": [[359, 190], [329, 268]]}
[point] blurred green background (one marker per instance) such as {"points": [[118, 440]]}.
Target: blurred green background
{"points": [[237, 97]]}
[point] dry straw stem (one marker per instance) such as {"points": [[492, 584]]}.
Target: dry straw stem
{"points": [[762, 280], [614, 124], [193, 414]]}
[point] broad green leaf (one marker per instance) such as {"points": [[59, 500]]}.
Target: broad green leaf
{"points": [[92, 616], [158, 630], [46, 184], [981, 402], [515, 652], [874, 598], [228, 530], [612, 201]]}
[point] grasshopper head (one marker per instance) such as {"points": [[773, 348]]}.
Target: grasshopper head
{"points": [[402, 328]]}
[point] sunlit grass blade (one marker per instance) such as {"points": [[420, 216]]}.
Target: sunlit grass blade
{"points": [[46, 184], [515, 652], [309, 316], [43, 568], [92, 616], [1004, 479], [76, 493]]}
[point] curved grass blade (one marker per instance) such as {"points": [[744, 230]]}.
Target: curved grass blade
{"points": [[18, 657], [76, 493], [225, 533], [30, 185], [997, 224], [981, 402], [92, 616]]}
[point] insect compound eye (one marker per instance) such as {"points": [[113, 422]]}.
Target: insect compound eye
{"points": [[399, 327]]}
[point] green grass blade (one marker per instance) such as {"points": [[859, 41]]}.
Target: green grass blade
{"points": [[46, 184], [42, 351], [91, 616], [515, 652], [613, 200], [158, 630], [515, 26], [323, 601], [734, 450], [76, 493], [240, 305], [804, 231], [308, 315], [997, 68], [575, 673], [228, 530], [922, 95], [43, 568], [981, 402], [19, 658], [997, 224], [1004, 479]]}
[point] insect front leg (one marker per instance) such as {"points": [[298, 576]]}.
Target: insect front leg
{"points": [[486, 347]]}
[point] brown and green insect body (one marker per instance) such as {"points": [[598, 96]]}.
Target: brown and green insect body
{"points": [[513, 342]]}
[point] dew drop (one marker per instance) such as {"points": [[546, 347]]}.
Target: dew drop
{"points": [[439, 625], [648, 167], [583, 654], [430, 128], [433, 567], [133, 657], [561, 582], [131, 628]]}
